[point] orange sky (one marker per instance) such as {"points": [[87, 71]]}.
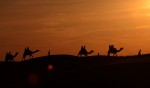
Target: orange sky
{"points": [[64, 25]]}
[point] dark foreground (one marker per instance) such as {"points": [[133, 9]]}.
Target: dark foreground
{"points": [[74, 72]]}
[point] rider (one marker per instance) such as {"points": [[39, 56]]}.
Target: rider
{"points": [[83, 49], [112, 47]]}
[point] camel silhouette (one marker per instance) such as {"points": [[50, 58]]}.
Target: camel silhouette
{"points": [[84, 52], [10, 57], [28, 52], [113, 50], [139, 53]]}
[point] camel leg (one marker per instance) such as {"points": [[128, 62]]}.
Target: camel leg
{"points": [[108, 53], [86, 55], [6, 60], [78, 54], [23, 58], [114, 54], [31, 56]]}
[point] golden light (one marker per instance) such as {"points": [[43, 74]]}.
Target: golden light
{"points": [[141, 9], [146, 4]]}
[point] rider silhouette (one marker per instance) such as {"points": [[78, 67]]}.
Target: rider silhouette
{"points": [[27, 49], [112, 47], [83, 49]]}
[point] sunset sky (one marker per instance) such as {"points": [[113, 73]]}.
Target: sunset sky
{"points": [[62, 26]]}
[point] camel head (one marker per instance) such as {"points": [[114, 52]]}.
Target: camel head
{"points": [[120, 49], [16, 54], [91, 51], [35, 51]]}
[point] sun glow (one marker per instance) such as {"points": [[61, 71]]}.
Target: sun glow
{"points": [[146, 4], [142, 9]]}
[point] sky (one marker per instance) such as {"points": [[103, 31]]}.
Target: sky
{"points": [[62, 26]]}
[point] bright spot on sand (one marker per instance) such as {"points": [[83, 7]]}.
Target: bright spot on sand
{"points": [[50, 67], [33, 79]]}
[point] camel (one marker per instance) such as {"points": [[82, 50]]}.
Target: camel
{"points": [[84, 52], [113, 50], [27, 51], [10, 57]]}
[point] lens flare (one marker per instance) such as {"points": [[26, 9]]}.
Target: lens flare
{"points": [[50, 67]]}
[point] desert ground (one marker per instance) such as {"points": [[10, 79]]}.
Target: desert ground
{"points": [[69, 71]]}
